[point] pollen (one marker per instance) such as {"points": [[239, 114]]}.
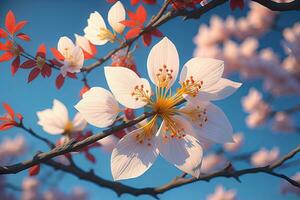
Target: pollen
{"points": [[105, 34], [68, 127], [191, 87], [140, 93], [164, 76]]}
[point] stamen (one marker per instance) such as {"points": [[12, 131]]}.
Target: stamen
{"points": [[164, 76], [139, 93]]}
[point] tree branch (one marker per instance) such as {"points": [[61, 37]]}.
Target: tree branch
{"points": [[71, 146], [227, 172], [275, 6]]}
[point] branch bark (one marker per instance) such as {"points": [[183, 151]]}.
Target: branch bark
{"points": [[227, 172]]}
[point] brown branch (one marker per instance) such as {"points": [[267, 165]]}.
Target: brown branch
{"points": [[71, 146], [275, 6], [227, 172]]}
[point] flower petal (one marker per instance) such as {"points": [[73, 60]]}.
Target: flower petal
{"points": [[98, 107], [95, 24], [185, 152], [79, 123], [65, 46], [163, 59], [207, 70], [131, 158], [126, 86], [54, 120], [116, 14], [210, 121], [220, 90], [83, 43]]}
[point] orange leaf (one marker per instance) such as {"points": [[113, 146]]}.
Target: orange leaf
{"points": [[3, 33], [9, 110], [10, 22], [6, 56], [23, 36], [20, 25], [41, 51], [141, 14], [57, 54], [134, 2], [34, 170], [130, 23]]}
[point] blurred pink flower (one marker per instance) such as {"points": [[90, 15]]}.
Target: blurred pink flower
{"points": [[283, 122], [238, 139], [221, 194], [211, 162], [264, 157], [11, 148], [289, 188]]}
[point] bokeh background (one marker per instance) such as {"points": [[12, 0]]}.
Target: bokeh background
{"points": [[49, 20]]}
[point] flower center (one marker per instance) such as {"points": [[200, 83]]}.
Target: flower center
{"points": [[40, 62], [105, 34], [164, 76], [69, 127]]}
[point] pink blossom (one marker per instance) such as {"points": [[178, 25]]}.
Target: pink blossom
{"points": [[283, 122], [289, 188], [221, 194], [238, 139], [211, 162], [264, 157], [11, 148]]}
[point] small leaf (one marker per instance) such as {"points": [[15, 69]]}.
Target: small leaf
{"points": [[15, 65], [6, 56], [133, 33], [10, 22], [28, 64], [3, 33], [59, 81], [9, 110], [33, 74], [34, 170], [20, 25], [23, 36]]}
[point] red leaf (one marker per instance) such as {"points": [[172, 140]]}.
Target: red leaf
{"points": [[236, 4], [8, 125], [3, 33], [34, 170], [57, 54], [134, 2], [46, 70], [72, 75], [59, 81], [141, 14], [33, 74], [55, 62], [19, 116], [120, 134], [130, 23], [15, 65], [147, 39], [133, 33], [7, 46], [6, 56], [9, 110], [20, 25], [149, 1], [129, 114], [111, 1], [10, 22], [28, 64], [23, 36], [157, 33], [41, 51], [90, 157]]}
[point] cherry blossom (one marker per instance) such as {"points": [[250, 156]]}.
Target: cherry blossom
{"points": [[283, 122], [176, 130], [212, 162], [56, 120], [289, 188], [221, 194], [238, 139], [97, 32], [264, 157]]}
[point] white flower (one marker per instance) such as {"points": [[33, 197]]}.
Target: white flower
{"points": [[222, 194], [211, 162], [56, 120], [97, 32], [178, 137], [99, 107], [73, 56], [84, 44], [264, 157]]}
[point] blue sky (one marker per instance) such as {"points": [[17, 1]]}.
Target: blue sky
{"points": [[49, 20]]}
